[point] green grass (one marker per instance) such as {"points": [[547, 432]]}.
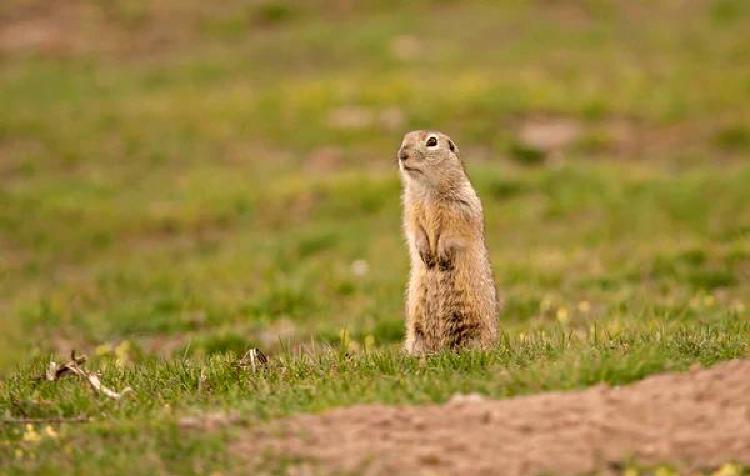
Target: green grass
{"points": [[148, 421], [192, 182]]}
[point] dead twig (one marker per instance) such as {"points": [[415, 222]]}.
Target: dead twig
{"points": [[252, 359], [55, 371], [75, 367]]}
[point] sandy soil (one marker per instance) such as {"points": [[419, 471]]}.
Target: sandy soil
{"points": [[695, 420]]}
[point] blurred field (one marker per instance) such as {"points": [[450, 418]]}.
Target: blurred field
{"points": [[185, 180]]}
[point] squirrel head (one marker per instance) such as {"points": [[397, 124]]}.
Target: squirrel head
{"points": [[429, 158]]}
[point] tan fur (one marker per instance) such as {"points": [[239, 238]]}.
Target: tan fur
{"points": [[451, 299]]}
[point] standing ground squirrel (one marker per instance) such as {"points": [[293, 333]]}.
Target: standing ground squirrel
{"points": [[451, 299]]}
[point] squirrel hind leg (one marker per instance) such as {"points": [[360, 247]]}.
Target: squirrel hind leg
{"points": [[415, 340], [464, 332]]}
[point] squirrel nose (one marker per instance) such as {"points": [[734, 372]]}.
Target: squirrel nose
{"points": [[403, 154]]}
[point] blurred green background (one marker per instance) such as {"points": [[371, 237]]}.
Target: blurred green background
{"points": [[187, 177]]}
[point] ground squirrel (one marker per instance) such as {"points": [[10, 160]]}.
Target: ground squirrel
{"points": [[451, 298]]}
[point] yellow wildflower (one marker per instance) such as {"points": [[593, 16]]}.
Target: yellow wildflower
{"points": [[31, 435], [664, 471], [103, 349], [49, 431], [369, 342], [728, 469], [122, 352]]}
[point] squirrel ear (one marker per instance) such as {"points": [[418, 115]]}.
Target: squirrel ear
{"points": [[451, 145]]}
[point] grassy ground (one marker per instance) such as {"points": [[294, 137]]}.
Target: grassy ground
{"points": [[181, 183]]}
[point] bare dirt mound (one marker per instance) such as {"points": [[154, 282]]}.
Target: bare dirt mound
{"points": [[694, 420]]}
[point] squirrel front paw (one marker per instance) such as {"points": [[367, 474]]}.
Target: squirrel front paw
{"points": [[445, 260], [423, 247], [447, 249], [427, 258]]}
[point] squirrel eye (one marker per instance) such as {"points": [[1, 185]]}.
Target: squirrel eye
{"points": [[432, 141]]}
